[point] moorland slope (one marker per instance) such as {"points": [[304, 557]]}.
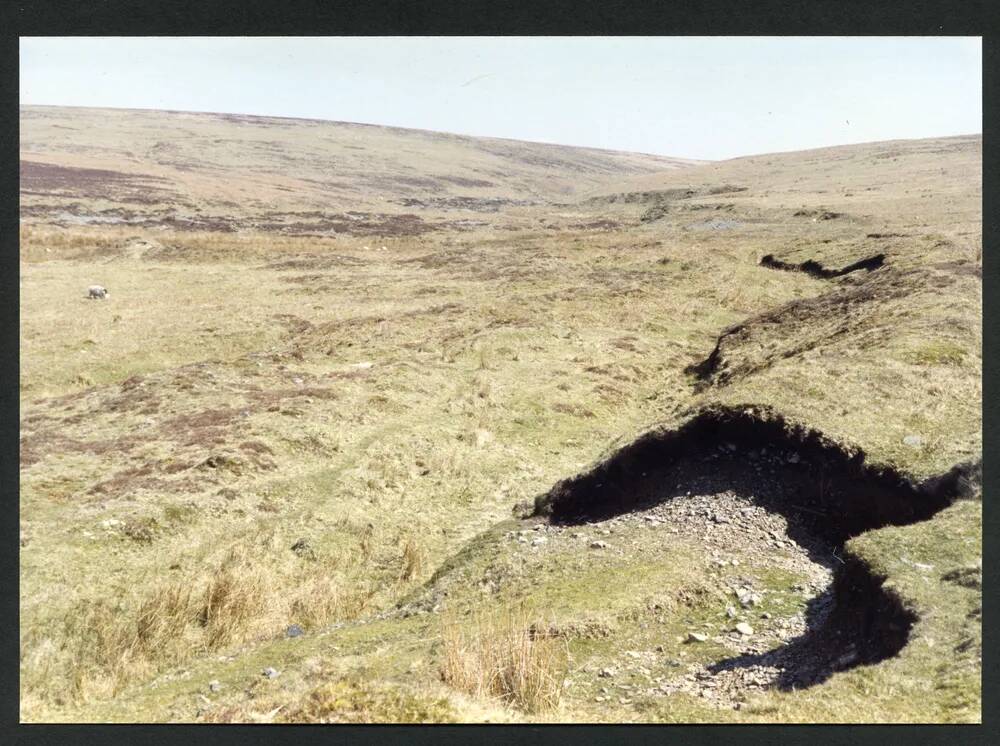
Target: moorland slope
{"points": [[383, 425]]}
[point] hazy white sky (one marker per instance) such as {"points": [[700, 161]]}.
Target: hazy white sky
{"points": [[694, 97]]}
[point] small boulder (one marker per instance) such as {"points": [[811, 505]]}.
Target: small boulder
{"points": [[696, 637], [744, 629], [269, 673], [748, 599], [598, 545], [303, 548], [294, 630]]}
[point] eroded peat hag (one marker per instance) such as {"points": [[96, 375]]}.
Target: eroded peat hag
{"points": [[814, 268], [731, 465], [854, 320]]}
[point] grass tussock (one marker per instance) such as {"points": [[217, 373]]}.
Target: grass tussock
{"points": [[503, 657], [348, 700], [413, 560], [100, 645], [940, 352], [360, 702]]}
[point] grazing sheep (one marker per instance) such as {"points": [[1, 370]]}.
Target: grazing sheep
{"points": [[96, 291]]}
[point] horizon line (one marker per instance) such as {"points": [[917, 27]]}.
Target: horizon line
{"points": [[696, 161]]}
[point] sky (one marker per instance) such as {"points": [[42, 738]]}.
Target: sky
{"points": [[688, 97]]}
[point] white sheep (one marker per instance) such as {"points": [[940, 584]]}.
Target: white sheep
{"points": [[97, 291]]}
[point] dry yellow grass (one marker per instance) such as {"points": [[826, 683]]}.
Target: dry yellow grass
{"points": [[413, 560], [103, 645], [503, 655], [243, 391]]}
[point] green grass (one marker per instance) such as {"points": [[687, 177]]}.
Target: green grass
{"points": [[558, 347]]}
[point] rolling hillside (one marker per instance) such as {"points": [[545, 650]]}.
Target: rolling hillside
{"points": [[380, 425], [232, 172]]}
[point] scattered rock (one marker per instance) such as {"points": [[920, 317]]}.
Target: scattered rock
{"points": [[748, 599], [753, 526], [538, 541], [303, 549], [269, 673], [223, 461], [214, 686]]}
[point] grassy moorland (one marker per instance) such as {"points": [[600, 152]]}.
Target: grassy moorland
{"points": [[339, 363]]}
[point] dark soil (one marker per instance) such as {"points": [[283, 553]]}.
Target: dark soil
{"points": [[816, 269], [44, 179], [848, 311], [825, 493]]}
